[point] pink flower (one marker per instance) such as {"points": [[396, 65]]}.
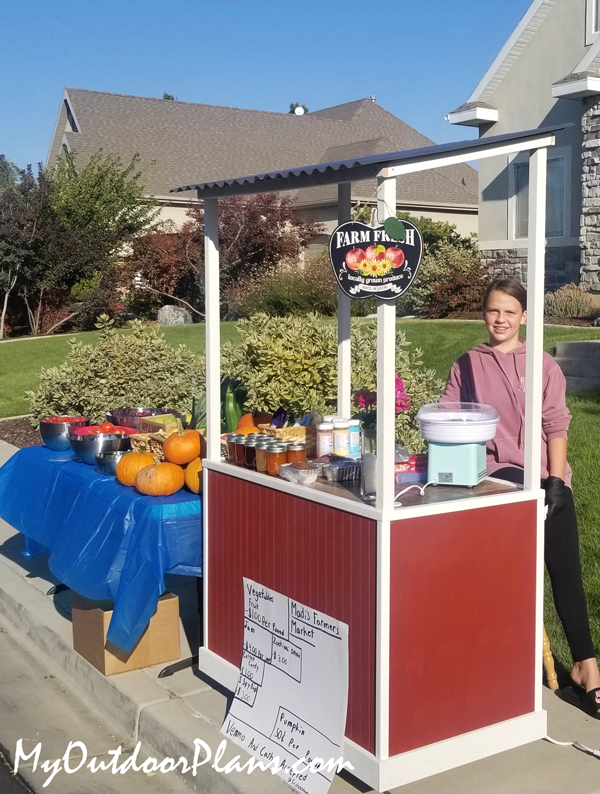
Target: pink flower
{"points": [[366, 399], [402, 399]]}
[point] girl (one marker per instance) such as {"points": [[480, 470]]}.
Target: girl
{"points": [[494, 373]]}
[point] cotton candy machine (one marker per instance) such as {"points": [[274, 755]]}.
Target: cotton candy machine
{"points": [[457, 434]]}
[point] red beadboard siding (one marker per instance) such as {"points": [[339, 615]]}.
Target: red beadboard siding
{"points": [[323, 557], [462, 622]]}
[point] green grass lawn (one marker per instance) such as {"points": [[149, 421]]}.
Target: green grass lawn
{"points": [[442, 342]]}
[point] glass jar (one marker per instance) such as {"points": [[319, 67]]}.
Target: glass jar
{"points": [[368, 471], [341, 438], [324, 439], [240, 451], [231, 439], [261, 456], [354, 438], [296, 453], [276, 456], [250, 453]]}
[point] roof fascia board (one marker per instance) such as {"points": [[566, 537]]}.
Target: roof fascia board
{"points": [[54, 134], [586, 62], [512, 42], [464, 157], [577, 89], [474, 117]]}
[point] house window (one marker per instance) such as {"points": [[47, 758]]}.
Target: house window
{"points": [[592, 21], [555, 198]]}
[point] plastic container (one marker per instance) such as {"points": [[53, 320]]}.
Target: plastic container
{"points": [[324, 439], [341, 438], [458, 423], [354, 438]]}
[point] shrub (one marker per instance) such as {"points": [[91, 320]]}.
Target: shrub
{"points": [[451, 279], [568, 301], [291, 362], [121, 370]]}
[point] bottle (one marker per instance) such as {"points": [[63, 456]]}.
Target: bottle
{"points": [[324, 439], [354, 440], [341, 438]]}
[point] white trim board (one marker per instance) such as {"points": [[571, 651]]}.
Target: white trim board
{"points": [[509, 54]]}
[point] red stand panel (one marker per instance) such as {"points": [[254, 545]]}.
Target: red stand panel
{"points": [[323, 557], [462, 622]]}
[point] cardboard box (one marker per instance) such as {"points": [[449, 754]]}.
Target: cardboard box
{"points": [[159, 643]]}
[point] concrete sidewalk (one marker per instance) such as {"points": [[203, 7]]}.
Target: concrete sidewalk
{"points": [[167, 715]]}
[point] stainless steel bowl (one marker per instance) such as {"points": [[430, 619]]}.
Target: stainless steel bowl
{"points": [[130, 417], [107, 461], [86, 448], [56, 435]]}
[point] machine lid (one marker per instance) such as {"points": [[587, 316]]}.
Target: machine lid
{"points": [[457, 413]]}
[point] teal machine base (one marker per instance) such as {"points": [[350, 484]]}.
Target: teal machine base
{"points": [[456, 464]]}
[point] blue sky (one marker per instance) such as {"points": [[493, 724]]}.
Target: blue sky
{"points": [[420, 59]]}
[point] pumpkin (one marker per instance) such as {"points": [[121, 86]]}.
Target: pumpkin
{"points": [[244, 431], [183, 446], [193, 476], [247, 420], [130, 464], [162, 479]]}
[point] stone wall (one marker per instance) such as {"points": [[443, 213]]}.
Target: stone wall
{"points": [[589, 235], [562, 265]]}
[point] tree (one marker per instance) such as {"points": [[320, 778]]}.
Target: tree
{"points": [[168, 96], [255, 235], [294, 105]]}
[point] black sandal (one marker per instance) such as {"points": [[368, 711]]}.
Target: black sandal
{"points": [[586, 701]]}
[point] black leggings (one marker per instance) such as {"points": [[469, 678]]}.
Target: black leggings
{"points": [[561, 554]]}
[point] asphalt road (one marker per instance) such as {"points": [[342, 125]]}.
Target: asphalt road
{"points": [[10, 784]]}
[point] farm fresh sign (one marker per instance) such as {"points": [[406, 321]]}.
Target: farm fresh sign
{"points": [[368, 263]]}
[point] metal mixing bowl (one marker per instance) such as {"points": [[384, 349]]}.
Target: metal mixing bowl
{"points": [[86, 448], [130, 417], [56, 435], [107, 462]]}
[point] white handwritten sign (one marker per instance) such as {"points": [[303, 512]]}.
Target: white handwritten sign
{"points": [[291, 698]]}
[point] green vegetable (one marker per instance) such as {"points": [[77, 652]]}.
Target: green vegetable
{"points": [[232, 410]]}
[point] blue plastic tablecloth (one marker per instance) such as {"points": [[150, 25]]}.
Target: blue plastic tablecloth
{"points": [[105, 540]]}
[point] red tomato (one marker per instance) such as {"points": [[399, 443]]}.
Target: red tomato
{"points": [[107, 427]]}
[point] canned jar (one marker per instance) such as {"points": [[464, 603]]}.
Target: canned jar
{"points": [[276, 457], [250, 453], [354, 438], [240, 451], [324, 439], [231, 439], [341, 438], [296, 453], [261, 456]]}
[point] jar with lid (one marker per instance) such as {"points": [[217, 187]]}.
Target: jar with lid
{"points": [[333, 418], [231, 439], [296, 453], [251, 453], [341, 438], [261, 456], [354, 438], [324, 439], [276, 456], [240, 451]]}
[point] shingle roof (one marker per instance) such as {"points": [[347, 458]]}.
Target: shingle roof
{"points": [[197, 143]]}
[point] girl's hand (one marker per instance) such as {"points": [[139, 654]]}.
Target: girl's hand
{"points": [[556, 499]]}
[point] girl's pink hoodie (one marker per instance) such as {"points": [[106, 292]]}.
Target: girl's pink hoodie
{"points": [[485, 375]]}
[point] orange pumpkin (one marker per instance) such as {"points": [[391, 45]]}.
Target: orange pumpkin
{"points": [[193, 476], [130, 464], [244, 431], [245, 421], [162, 479], [183, 446]]}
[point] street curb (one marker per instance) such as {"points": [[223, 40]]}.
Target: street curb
{"points": [[168, 724]]}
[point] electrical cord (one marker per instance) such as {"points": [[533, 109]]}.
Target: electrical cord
{"points": [[420, 489], [576, 745]]}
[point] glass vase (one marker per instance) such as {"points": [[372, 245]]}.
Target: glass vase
{"points": [[368, 474]]}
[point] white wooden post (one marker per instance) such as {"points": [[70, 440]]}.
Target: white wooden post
{"points": [[212, 316], [386, 368], [535, 317], [344, 406]]}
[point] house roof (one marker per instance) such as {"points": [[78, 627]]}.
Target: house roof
{"points": [[419, 160], [510, 52], [199, 142]]}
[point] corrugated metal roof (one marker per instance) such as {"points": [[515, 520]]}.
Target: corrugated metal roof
{"points": [[356, 168]]}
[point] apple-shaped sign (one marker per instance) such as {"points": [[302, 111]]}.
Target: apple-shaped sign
{"points": [[368, 263]]}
